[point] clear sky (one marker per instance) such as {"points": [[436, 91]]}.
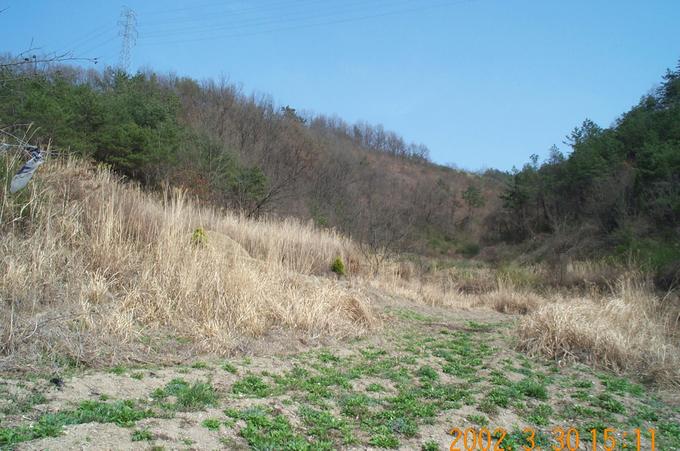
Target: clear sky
{"points": [[483, 83]]}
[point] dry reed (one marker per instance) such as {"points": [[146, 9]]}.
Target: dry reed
{"points": [[632, 330], [100, 260]]}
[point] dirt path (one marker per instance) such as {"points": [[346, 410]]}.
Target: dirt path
{"points": [[427, 371]]}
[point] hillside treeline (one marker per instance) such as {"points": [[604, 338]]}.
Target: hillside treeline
{"points": [[619, 188], [243, 152]]}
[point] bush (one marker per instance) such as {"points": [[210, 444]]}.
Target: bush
{"points": [[199, 237], [469, 250], [338, 267]]}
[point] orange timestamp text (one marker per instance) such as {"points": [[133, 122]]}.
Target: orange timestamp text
{"points": [[563, 439]]}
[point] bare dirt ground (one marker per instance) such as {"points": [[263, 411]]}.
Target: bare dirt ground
{"points": [[427, 371]]}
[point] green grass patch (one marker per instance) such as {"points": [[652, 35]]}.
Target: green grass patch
{"points": [[500, 396], [479, 420], [532, 388], [118, 370], [498, 378], [212, 423], [430, 445], [607, 402], [540, 415], [324, 426], [669, 434], [582, 383], [141, 435], [21, 404], [229, 368], [479, 327], [411, 315], [384, 438], [647, 414], [188, 397], [264, 431], [621, 385], [328, 357], [122, 413], [251, 385], [427, 373], [355, 405]]}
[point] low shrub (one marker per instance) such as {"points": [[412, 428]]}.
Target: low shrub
{"points": [[338, 267]]}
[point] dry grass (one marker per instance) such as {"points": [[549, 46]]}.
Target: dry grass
{"points": [[91, 261], [480, 288], [618, 323], [440, 288], [631, 330], [92, 267], [507, 298]]}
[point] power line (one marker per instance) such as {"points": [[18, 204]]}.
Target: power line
{"points": [[87, 38], [90, 37], [112, 37], [311, 24], [356, 6], [226, 9], [202, 7]]}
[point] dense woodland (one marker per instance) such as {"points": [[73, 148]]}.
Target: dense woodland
{"points": [[617, 192], [243, 152]]}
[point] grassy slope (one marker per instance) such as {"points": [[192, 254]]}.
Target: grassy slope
{"points": [[429, 371]]}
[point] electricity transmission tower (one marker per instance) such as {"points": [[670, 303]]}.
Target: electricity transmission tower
{"points": [[128, 34]]}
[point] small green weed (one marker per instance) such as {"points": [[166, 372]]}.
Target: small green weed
{"points": [[488, 406], [541, 415], [263, 431], [251, 385], [582, 383], [479, 420], [609, 403], [189, 397], [670, 434], [532, 388], [384, 439], [499, 396], [647, 413], [328, 357], [118, 370], [427, 373], [21, 404], [212, 423], [141, 435], [355, 405], [323, 426], [122, 413], [620, 385], [581, 395], [199, 237], [229, 368]]}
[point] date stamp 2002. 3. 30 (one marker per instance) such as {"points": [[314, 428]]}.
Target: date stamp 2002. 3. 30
{"points": [[559, 439]]}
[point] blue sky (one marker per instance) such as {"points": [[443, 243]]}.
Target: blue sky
{"points": [[483, 83]]}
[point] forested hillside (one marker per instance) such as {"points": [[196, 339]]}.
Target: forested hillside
{"points": [[243, 152], [617, 191]]}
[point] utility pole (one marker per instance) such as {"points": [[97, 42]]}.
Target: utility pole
{"points": [[128, 34]]}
